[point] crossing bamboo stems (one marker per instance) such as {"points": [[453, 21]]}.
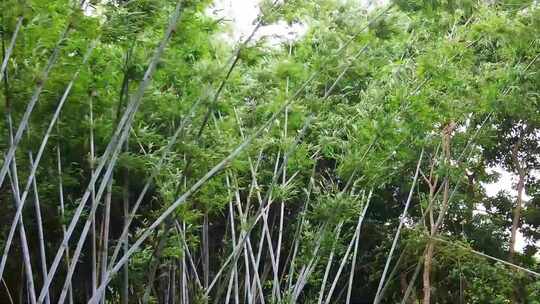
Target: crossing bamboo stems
{"points": [[329, 262], [27, 266], [349, 248], [218, 167], [113, 147], [396, 236], [31, 104], [39, 154]]}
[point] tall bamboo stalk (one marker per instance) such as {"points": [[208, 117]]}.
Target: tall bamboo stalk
{"points": [[154, 262], [39, 222], [125, 199], [93, 196], [233, 281], [306, 270], [27, 265], [205, 250], [39, 154], [354, 240], [329, 262], [353, 265], [184, 279], [184, 245], [62, 217], [299, 229], [396, 237], [210, 174], [116, 143], [31, 104], [7, 52], [125, 230], [105, 236]]}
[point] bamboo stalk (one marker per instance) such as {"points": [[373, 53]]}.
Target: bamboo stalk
{"points": [[173, 284], [39, 221], [154, 262], [9, 50], [401, 222], [125, 279], [14, 180], [184, 279], [31, 104], [243, 220], [349, 248], [306, 270], [353, 265], [27, 266], [155, 172], [93, 198], [22, 234], [208, 175], [168, 291], [205, 253], [234, 276], [121, 132], [41, 149], [182, 237], [105, 236], [7, 291], [296, 243], [329, 263], [68, 287]]}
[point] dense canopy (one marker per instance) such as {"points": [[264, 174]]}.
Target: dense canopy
{"points": [[148, 158]]}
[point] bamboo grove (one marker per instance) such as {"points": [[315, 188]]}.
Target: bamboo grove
{"points": [[147, 158]]}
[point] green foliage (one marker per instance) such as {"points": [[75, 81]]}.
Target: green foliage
{"points": [[417, 69]]}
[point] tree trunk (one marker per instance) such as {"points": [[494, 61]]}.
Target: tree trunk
{"points": [[427, 272], [428, 257], [517, 210], [517, 216], [404, 284], [519, 200], [154, 262]]}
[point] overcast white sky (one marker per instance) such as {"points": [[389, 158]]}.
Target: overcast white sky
{"points": [[241, 15]]}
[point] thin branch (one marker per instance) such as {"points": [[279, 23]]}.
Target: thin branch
{"points": [[396, 237]]}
